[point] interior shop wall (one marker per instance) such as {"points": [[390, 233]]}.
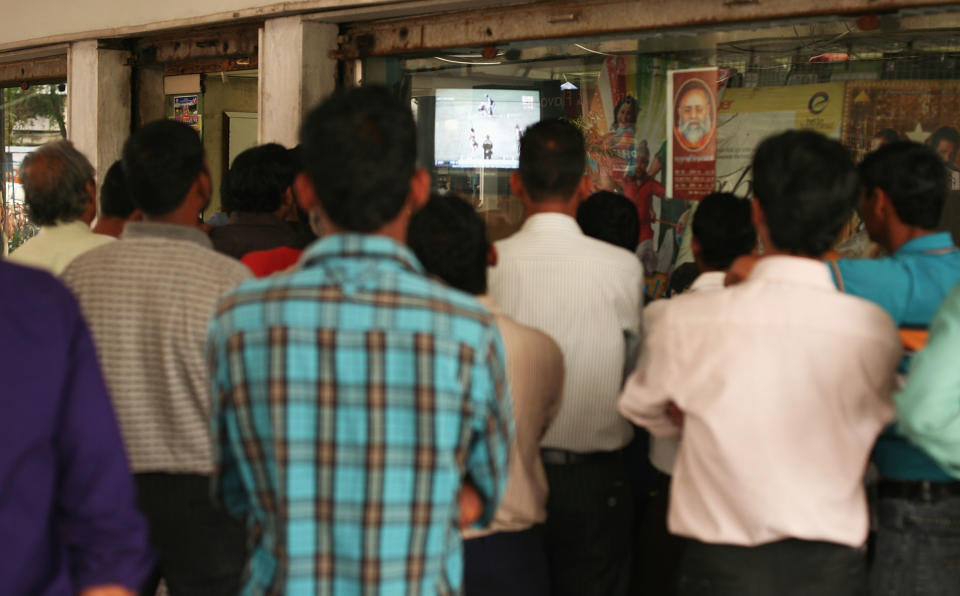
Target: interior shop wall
{"points": [[236, 95]]}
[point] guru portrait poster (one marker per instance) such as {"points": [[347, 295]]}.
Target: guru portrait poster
{"points": [[692, 124]]}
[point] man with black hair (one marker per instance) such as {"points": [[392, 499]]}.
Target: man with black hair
{"points": [[60, 193], [116, 206], [148, 298], [722, 231], [905, 187], [585, 294], [375, 391], [782, 384], [610, 217], [257, 193], [508, 556]]}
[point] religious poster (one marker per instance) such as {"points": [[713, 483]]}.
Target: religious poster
{"points": [[623, 121], [186, 109], [692, 125]]}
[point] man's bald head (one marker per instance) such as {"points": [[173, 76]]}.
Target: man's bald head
{"points": [[57, 181]]}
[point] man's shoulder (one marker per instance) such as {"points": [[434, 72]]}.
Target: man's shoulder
{"points": [[36, 294], [27, 249], [408, 291], [188, 260], [534, 342], [91, 260], [572, 247]]}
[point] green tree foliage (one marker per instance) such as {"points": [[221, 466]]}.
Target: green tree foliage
{"points": [[42, 102]]}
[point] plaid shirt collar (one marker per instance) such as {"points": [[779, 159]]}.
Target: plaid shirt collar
{"points": [[371, 247]]}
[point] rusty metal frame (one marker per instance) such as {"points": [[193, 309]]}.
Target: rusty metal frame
{"points": [[201, 50], [579, 18], [38, 70]]}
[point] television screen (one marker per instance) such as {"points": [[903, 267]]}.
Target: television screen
{"points": [[481, 128]]}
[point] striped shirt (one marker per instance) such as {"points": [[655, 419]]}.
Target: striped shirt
{"points": [[585, 294], [351, 399], [148, 299]]}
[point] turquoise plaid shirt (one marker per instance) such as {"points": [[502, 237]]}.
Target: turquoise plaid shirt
{"points": [[350, 400]]}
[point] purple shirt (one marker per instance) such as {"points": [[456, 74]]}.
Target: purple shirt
{"points": [[68, 516]]}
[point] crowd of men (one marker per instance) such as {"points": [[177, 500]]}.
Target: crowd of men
{"points": [[403, 407]]}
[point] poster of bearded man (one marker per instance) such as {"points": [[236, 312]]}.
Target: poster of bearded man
{"points": [[692, 150]]}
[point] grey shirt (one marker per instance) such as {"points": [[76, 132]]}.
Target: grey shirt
{"points": [[148, 299]]}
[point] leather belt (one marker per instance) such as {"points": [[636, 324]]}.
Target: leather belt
{"points": [[559, 457], [918, 490]]}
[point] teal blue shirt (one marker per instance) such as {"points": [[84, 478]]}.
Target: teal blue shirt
{"points": [[350, 400], [910, 285], [929, 406]]}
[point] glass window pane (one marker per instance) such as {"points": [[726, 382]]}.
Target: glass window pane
{"points": [[31, 117]]}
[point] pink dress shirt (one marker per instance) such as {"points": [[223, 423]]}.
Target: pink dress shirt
{"points": [[785, 384]]}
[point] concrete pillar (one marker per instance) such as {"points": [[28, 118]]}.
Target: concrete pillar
{"points": [[151, 101], [296, 72], [98, 87]]}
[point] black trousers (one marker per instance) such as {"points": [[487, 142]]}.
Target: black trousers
{"points": [[784, 568], [202, 550], [506, 564], [658, 552], [590, 527]]}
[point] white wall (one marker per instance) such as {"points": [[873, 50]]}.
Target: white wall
{"points": [[45, 21]]}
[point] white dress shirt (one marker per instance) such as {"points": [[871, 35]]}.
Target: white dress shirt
{"points": [[583, 293], [785, 383], [663, 450], [535, 374], [54, 247]]}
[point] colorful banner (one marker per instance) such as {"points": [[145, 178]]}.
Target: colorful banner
{"points": [[186, 109], [623, 122], [692, 122], [878, 112], [924, 111], [749, 115]]}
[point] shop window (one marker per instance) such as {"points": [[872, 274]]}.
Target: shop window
{"points": [[222, 108], [861, 82], [32, 115]]}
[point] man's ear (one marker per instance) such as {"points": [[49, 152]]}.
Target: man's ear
{"points": [[516, 185], [584, 188], [419, 189], [882, 204], [697, 252], [759, 219], [756, 214], [492, 256], [90, 211], [305, 192]]}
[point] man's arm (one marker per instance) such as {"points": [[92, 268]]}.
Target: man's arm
{"points": [[928, 407], [648, 389], [227, 485], [492, 425], [105, 535]]}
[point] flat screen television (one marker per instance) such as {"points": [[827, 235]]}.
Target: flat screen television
{"points": [[481, 127]]}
